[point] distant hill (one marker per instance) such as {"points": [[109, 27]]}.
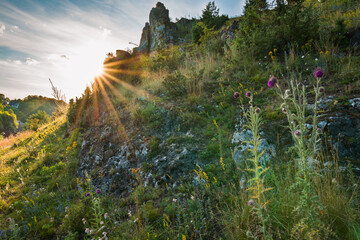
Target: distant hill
{"points": [[19, 110], [31, 104]]}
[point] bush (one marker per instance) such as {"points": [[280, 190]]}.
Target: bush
{"points": [[175, 84], [36, 120]]}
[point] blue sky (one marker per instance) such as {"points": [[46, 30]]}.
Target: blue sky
{"points": [[66, 40]]}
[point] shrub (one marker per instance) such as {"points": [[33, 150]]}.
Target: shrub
{"points": [[36, 120], [175, 84]]}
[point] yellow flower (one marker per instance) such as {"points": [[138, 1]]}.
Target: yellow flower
{"points": [[275, 49], [270, 53]]}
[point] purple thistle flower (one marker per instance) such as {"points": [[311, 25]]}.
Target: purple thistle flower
{"points": [[318, 73], [236, 95], [257, 110], [8, 219], [98, 191], [251, 202], [297, 133], [321, 89], [248, 94], [272, 81], [284, 111], [87, 194]]}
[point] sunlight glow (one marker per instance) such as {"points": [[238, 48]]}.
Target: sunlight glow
{"points": [[83, 64]]}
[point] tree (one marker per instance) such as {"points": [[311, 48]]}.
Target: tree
{"points": [[257, 5], [211, 19], [8, 121]]}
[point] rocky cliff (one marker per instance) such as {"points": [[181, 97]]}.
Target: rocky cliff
{"points": [[160, 32]]}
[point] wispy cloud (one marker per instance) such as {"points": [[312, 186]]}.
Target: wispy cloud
{"points": [[2, 29]]}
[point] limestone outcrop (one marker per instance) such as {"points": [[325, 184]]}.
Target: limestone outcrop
{"points": [[158, 32]]}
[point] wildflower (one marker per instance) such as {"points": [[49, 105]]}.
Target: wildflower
{"points": [[129, 213], [87, 194], [248, 94], [106, 215], [236, 95], [104, 234], [257, 110], [51, 219], [84, 220], [319, 129], [98, 191], [66, 209], [272, 81], [322, 89], [91, 231], [297, 133], [318, 73], [284, 111], [101, 223], [174, 199], [251, 202], [87, 230], [8, 219], [136, 220], [192, 197]]}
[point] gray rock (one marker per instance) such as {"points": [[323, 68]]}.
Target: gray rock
{"points": [[355, 103], [241, 150]]}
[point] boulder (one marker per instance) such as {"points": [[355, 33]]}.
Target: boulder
{"points": [[122, 55]]}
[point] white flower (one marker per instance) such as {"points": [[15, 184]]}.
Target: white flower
{"points": [[87, 230], [316, 59], [66, 209], [101, 223], [104, 233], [174, 199], [106, 215], [84, 220], [192, 197]]}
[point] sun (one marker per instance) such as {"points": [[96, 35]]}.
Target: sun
{"points": [[84, 63]]}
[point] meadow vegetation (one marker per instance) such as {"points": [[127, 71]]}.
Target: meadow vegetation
{"points": [[265, 73]]}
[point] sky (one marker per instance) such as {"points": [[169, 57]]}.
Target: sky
{"points": [[67, 40]]}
